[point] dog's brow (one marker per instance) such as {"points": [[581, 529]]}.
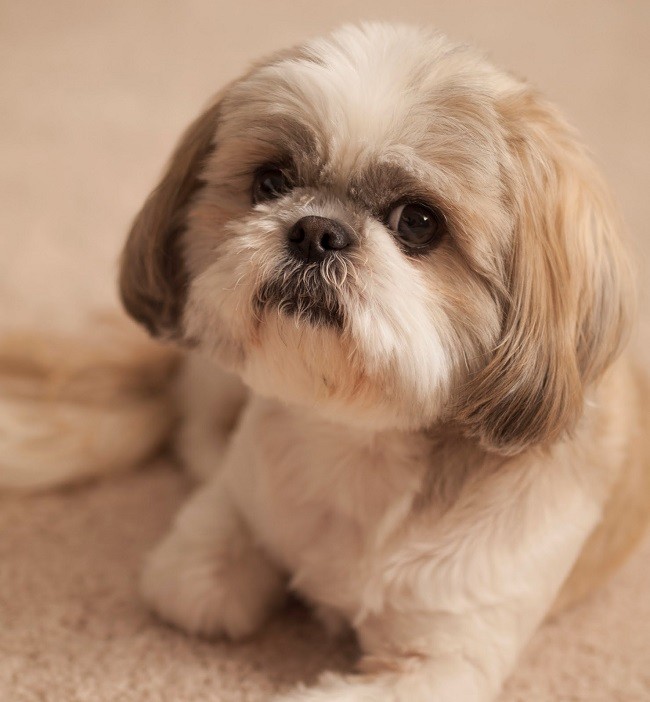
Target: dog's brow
{"points": [[286, 135], [382, 183]]}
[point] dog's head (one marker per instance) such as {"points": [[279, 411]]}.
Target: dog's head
{"points": [[383, 225]]}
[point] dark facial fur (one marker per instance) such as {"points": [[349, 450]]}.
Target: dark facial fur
{"points": [[302, 291]]}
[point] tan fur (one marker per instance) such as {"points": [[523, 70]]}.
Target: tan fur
{"points": [[569, 288], [118, 361], [435, 440], [152, 277], [537, 318], [627, 509], [75, 408]]}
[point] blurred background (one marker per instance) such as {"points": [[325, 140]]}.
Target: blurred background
{"points": [[94, 96]]}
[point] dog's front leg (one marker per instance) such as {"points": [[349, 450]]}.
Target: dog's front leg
{"points": [[447, 614], [208, 576]]}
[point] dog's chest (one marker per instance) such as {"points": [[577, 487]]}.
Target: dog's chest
{"points": [[323, 500]]}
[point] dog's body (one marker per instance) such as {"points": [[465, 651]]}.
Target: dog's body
{"points": [[442, 558], [412, 263]]}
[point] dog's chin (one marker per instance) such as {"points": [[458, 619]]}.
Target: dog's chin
{"points": [[301, 350], [304, 356], [306, 335]]}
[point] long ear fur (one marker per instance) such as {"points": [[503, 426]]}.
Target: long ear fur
{"points": [[152, 278], [569, 289]]}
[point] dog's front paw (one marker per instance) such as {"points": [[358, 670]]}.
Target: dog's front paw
{"points": [[218, 589]]}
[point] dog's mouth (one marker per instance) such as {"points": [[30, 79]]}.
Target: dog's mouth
{"points": [[308, 293]]}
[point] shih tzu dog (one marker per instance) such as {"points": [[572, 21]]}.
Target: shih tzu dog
{"points": [[413, 266], [409, 259]]}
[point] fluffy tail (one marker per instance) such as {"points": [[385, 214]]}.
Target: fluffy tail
{"points": [[75, 408]]}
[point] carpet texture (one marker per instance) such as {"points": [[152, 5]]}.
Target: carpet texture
{"points": [[73, 629], [94, 95]]}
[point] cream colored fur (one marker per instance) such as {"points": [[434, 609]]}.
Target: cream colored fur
{"points": [[74, 408], [430, 471], [452, 455]]}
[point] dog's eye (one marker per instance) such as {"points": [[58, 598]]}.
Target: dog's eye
{"points": [[416, 226], [269, 184]]}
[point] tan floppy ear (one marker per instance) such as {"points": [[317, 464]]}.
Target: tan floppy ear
{"points": [[152, 279], [569, 289]]}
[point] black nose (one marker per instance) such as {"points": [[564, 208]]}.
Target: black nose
{"points": [[315, 238]]}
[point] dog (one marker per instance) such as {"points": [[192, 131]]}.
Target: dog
{"points": [[403, 297]]}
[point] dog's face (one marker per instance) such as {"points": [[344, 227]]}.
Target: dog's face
{"points": [[382, 225]]}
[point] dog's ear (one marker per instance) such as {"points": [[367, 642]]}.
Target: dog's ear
{"points": [[568, 288], [152, 279]]}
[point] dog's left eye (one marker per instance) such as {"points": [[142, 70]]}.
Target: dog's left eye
{"points": [[269, 184], [416, 226]]}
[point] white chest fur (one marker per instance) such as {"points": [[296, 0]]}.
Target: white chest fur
{"points": [[356, 521], [322, 500]]}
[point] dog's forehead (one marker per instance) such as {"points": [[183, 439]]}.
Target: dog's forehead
{"points": [[361, 90], [367, 89]]}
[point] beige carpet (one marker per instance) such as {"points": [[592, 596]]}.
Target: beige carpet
{"points": [[93, 95]]}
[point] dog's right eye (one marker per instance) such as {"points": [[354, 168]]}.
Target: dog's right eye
{"points": [[269, 184]]}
